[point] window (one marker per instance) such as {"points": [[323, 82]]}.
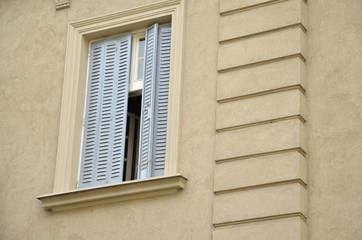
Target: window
{"points": [[117, 74], [81, 35]]}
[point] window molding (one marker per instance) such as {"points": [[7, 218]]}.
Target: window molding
{"points": [[123, 191], [79, 35]]}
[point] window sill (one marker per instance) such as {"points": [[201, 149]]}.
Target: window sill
{"points": [[113, 193]]}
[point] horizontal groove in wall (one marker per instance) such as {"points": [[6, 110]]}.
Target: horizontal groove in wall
{"points": [[262, 138], [269, 218], [257, 94], [265, 77], [262, 48], [300, 150], [262, 62], [225, 13], [261, 123], [264, 32], [264, 185], [254, 172], [260, 203]]}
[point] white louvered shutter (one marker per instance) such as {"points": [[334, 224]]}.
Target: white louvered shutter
{"points": [[155, 101], [161, 99], [106, 112], [146, 129]]}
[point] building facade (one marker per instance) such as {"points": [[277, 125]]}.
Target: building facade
{"points": [[264, 128]]}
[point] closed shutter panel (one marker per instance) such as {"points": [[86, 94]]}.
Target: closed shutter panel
{"points": [[161, 99], [146, 129], [106, 112]]}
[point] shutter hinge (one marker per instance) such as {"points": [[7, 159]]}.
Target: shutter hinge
{"points": [[147, 111]]}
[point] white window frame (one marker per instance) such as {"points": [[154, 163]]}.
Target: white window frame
{"points": [[134, 83], [79, 35]]}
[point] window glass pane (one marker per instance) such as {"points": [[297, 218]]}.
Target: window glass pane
{"points": [[141, 48], [124, 171], [135, 149], [127, 127], [126, 148], [140, 69]]}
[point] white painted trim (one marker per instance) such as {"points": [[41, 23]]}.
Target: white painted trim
{"points": [[123, 191], [134, 83], [136, 13]]}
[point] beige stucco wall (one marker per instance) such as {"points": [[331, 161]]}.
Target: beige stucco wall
{"points": [[33, 41], [335, 119], [310, 184]]}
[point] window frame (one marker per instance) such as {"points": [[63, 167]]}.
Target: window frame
{"points": [[79, 36], [135, 84]]}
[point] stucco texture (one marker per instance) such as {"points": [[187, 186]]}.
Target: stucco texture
{"points": [[32, 53], [335, 119]]}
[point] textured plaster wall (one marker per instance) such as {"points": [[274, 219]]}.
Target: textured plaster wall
{"points": [[260, 172], [32, 52], [335, 119]]}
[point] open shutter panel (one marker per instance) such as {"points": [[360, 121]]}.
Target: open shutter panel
{"points": [[146, 129], [155, 101], [161, 100], [106, 112]]}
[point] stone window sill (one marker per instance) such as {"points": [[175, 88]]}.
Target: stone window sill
{"points": [[123, 191]]}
